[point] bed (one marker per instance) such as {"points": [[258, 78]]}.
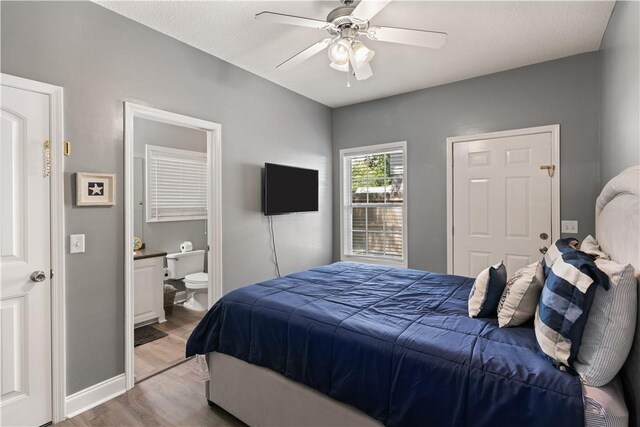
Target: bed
{"points": [[364, 345]]}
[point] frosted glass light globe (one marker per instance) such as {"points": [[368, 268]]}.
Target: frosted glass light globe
{"points": [[339, 52], [361, 54], [344, 67]]}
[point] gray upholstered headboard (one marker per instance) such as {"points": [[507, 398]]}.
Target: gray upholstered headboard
{"points": [[618, 233]]}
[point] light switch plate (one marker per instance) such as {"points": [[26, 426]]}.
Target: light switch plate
{"points": [[569, 227], [76, 243]]}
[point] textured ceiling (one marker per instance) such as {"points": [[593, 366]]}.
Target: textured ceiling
{"points": [[483, 38]]}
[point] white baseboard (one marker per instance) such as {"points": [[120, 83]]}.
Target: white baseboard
{"points": [[93, 396]]}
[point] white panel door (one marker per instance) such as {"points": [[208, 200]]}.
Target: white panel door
{"points": [[25, 328], [501, 202]]}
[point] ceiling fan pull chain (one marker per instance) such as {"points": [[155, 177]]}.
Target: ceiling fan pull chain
{"points": [[349, 74]]}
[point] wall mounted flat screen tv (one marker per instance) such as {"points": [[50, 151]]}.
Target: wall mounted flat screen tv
{"points": [[289, 189]]}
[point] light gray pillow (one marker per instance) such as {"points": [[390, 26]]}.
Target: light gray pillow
{"points": [[608, 333], [521, 295], [486, 291]]}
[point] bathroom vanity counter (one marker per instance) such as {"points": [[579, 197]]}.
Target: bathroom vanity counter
{"points": [[147, 253]]}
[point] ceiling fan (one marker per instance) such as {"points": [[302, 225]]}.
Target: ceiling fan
{"points": [[345, 25]]}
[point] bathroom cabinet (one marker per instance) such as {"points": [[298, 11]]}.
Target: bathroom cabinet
{"points": [[148, 291]]}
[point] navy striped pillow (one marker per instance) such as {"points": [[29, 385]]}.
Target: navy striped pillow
{"points": [[566, 299]]}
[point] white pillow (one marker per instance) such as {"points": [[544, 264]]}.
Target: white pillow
{"points": [[521, 295], [608, 333], [487, 290], [590, 245]]}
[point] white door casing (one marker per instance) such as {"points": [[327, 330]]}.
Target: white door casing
{"points": [[214, 211], [25, 304], [501, 205]]}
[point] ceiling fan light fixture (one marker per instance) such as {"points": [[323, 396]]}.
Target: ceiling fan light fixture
{"points": [[344, 67], [339, 52], [345, 24], [361, 53]]}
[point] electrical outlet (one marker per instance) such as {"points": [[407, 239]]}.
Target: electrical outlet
{"points": [[569, 227], [76, 243]]}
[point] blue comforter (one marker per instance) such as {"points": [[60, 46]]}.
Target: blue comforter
{"points": [[395, 343]]}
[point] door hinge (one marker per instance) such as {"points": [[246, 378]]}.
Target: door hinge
{"points": [[551, 169]]}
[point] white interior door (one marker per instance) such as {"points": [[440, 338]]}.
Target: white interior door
{"points": [[25, 321], [502, 201]]}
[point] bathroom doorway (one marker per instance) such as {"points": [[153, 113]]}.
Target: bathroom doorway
{"points": [[173, 235]]}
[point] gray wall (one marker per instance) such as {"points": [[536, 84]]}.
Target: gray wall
{"points": [[103, 59], [165, 236], [619, 100], [562, 91]]}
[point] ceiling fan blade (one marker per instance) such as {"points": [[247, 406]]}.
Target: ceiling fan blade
{"points": [[304, 55], [367, 9], [362, 73], [281, 18], [432, 39]]}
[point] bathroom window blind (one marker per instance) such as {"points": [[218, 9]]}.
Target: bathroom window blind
{"points": [[176, 184], [374, 204]]}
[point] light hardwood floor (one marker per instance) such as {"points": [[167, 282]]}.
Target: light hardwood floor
{"points": [[158, 355], [172, 398]]}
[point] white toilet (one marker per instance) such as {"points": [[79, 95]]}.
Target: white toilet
{"points": [[189, 266]]}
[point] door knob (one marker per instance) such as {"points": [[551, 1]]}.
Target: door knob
{"points": [[38, 276], [543, 249], [544, 236]]}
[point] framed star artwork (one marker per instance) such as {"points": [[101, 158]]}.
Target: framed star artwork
{"points": [[95, 189]]}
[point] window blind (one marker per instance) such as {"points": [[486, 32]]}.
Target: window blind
{"points": [[176, 185], [374, 204]]}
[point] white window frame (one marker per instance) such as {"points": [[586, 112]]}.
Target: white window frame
{"points": [[345, 154], [178, 154]]}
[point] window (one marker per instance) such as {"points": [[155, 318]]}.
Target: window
{"points": [[176, 184], [374, 207]]}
